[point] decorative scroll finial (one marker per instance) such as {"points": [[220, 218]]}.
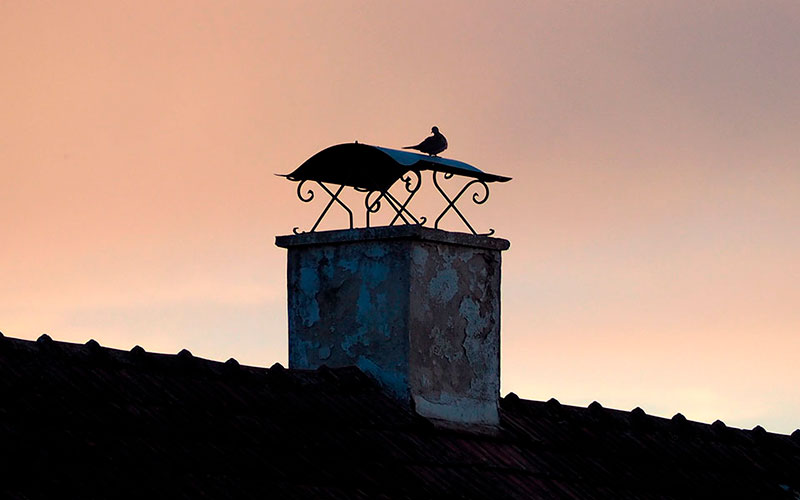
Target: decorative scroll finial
{"points": [[373, 170]]}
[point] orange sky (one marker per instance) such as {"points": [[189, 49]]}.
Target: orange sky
{"points": [[654, 214]]}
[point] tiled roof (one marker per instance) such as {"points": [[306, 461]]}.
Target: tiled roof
{"points": [[83, 421]]}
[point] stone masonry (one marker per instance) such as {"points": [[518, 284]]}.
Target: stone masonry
{"points": [[417, 308]]}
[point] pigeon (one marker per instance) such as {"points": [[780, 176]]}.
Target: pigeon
{"points": [[433, 145]]}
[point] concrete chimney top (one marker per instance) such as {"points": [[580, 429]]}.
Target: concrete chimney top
{"points": [[417, 308]]}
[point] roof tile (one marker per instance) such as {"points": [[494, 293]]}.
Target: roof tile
{"points": [[163, 430]]}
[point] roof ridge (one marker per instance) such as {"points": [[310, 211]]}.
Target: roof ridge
{"points": [[514, 402], [184, 362]]}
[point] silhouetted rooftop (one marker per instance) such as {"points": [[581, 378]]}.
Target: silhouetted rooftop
{"points": [[86, 421]]}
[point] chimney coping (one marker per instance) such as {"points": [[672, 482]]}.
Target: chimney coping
{"points": [[405, 232]]}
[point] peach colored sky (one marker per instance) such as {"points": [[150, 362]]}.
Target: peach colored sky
{"points": [[654, 214]]}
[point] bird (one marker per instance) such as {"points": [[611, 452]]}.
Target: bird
{"points": [[433, 145]]}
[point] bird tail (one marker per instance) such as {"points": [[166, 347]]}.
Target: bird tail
{"points": [[409, 147]]}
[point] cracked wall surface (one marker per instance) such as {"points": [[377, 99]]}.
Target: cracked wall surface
{"points": [[417, 308], [454, 321], [348, 306]]}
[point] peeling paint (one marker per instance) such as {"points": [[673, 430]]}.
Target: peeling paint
{"points": [[420, 314], [310, 281], [470, 311], [444, 285], [419, 255], [324, 352], [348, 342], [349, 265], [300, 348]]}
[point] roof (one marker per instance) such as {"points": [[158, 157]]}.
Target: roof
{"points": [[92, 422], [375, 168]]}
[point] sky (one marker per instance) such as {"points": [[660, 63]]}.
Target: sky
{"points": [[654, 215]]}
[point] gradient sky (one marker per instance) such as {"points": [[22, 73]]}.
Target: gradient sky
{"points": [[654, 214]]}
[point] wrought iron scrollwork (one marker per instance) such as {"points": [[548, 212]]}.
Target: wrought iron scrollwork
{"points": [[334, 198], [412, 182], [412, 185], [389, 179], [372, 206], [409, 181], [477, 198]]}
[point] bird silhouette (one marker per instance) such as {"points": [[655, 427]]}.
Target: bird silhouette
{"points": [[433, 145]]}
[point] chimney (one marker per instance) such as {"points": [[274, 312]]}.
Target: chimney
{"points": [[417, 308]]}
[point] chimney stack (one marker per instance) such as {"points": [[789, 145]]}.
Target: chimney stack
{"points": [[417, 308]]}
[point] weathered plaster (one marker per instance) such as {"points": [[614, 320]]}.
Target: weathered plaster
{"points": [[418, 309], [455, 332]]}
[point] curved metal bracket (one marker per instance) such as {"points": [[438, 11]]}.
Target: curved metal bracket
{"points": [[401, 210], [334, 198], [451, 202], [412, 182]]}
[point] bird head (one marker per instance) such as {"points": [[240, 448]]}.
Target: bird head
{"points": [[435, 130]]}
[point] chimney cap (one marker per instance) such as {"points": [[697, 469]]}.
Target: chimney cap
{"points": [[375, 168], [405, 232]]}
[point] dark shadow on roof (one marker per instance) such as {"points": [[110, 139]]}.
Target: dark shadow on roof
{"points": [[92, 422]]}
